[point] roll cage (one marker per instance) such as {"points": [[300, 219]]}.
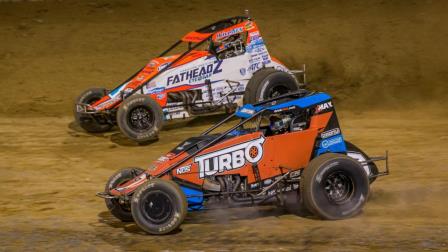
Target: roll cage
{"points": [[194, 40]]}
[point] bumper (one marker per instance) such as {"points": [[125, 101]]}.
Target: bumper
{"points": [[376, 159], [105, 195], [101, 117]]}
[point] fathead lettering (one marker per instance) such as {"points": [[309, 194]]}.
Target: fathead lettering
{"points": [[196, 74]]}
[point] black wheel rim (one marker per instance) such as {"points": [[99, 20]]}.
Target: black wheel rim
{"points": [[277, 91], [157, 207], [141, 119], [339, 187]]}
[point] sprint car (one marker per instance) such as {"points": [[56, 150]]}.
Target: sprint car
{"points": [[223, 65], [291, 143]]}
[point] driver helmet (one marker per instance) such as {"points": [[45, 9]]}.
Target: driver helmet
{"points": [[276, 123]]}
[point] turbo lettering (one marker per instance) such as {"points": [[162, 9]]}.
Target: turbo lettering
{"points": [[230, 158]]}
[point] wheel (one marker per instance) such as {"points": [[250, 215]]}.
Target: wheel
{"points": [[334, 186], [268, 83], [356, 153], [86, 122], [159, 206], [140, 118], [120, 210]]}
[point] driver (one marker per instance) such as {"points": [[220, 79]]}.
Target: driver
{"points": [[278, 125], [226, 48]]}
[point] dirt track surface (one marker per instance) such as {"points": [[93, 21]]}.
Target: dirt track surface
{"points": [[384, 61], [392, 51]]}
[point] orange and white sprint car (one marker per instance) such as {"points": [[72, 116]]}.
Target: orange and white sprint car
{"points": [[222, 65], [291, 143]]}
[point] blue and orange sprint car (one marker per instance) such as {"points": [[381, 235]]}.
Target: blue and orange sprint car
{"points": [[292, 142]]}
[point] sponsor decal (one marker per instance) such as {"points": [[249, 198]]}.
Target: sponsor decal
{"points": [[226, 34], [156, 90], [148, 70], [196, 74], [230, 158], [163, 159], [151, 84], [243, 71], [161, 67], [254, 67], [174, 109], [256, 45], [284, 109], [181, 147], [330, 133], [323, 106], [183, 169], [175, 219], [247, 111], [255, 33], [331, 141], [153, 63], [249, 25]]}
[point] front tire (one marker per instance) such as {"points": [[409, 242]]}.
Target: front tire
{"points": [[159, 206], [86, 122], [140, 118], [119, 210], [268, 83], [334, 186]]}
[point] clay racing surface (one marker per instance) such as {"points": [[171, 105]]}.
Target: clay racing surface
{"points": [[385, 63]]}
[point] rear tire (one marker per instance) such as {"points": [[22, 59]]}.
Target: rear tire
{"points": [[334, 186], [120, 211], [140, 118], [268, 83], [86, 122], [159, 206]]}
